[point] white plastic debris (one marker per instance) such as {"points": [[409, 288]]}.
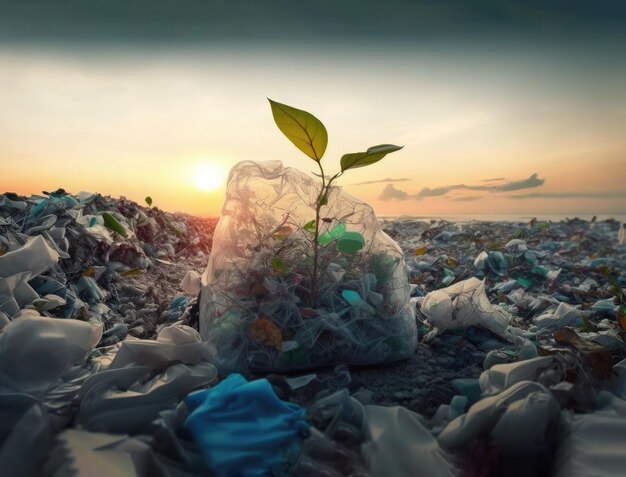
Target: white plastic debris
{"points": [[485, 414], [565, 315], [88, 454], [621, 235], [35, 351], [502, 376], [191, 283], [465, 304], [401, 445], [36, 256], [595, 445], [176, 343]]}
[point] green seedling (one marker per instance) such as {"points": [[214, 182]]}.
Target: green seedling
{"points": [[309, 135], [148, 200]]}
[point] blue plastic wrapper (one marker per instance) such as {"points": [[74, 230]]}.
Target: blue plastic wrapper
{"points": [[243, 429]]}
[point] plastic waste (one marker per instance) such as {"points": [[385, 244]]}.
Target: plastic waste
{"points": [[391, 440], [485, 414], [565, 315], [502, 376], [36, 256], [258, 292], [26, 435], [79, 453], [465, 304], [242, 428], [191, 283], [401, 445], [36, 351], [595, 444]]}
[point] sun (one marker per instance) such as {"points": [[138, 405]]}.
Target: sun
{"points": [[208, 177]]}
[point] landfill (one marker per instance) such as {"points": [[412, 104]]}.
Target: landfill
{"points": [[516, 363]]}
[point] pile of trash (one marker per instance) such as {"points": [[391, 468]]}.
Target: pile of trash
{"points": [[519, 367], [100, 260]]}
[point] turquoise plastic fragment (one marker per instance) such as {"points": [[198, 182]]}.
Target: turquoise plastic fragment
{"points": [[350, 242], [243, 429], [352, 297], [468, 387]]}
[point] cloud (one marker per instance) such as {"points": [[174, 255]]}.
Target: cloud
{"points": [[391, 193], [532, 181], [467, 198], [493, 180], [571, 195], [436, 192], [388, 179]]}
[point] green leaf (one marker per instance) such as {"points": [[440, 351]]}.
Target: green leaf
{"points": [[310, 226], [149, 201], [278, 265], [303, 129], [113, 224], [372, 155]]}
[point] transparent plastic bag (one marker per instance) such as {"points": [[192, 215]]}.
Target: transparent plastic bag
{"points": [[257, 307]]}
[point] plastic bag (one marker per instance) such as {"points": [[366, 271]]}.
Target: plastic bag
{"points": [[465, 304], [257, 305]]}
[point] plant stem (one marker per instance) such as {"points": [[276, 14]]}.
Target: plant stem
{"points": [[318, 207]]}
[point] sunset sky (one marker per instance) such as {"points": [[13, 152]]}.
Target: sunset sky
{"points": [[503, 108]]}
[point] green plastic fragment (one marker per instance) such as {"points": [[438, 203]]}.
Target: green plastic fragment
{"points": [[338, 231], [113, 224], [540, 271], [294, 356], [350, 242], [335, 233], [324, 239], [524, 282]]}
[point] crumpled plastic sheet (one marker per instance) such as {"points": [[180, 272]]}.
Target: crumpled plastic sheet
{"points": [[595, 444], [396, 441], [191, 283], [145, 377], [243, 428], [19, 266], [502, 376], [26, 435], [36, 256], [79, 453], [487, 413], [177, 343], [36, 351], [465, 304], [128, 399], [564, 315]]}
